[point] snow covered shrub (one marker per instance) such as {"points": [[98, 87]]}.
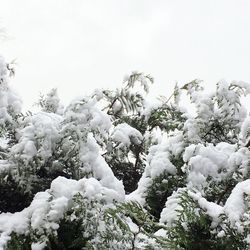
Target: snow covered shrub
{"points": [[114, 170]]}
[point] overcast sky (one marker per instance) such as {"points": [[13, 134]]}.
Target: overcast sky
{"points": [[80, 45]]}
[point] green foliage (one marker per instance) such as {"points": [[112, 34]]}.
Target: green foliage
{"points": [[81, 228], [19, 242], [126, 101], [13, 197], [167, 118], [78, 227], [193, 230], [163, 186], [89, 225], [133, 214], [158, 192], [219, 191], [69, 236], [126, 172]]}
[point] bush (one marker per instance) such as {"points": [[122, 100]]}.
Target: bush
{"points": [[111, 171]]}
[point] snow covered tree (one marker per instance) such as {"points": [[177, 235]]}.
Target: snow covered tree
{"points": [[114, 170]]}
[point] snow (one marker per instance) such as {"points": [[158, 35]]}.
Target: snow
{"points": [[217, 162], [5, 165], [3, 70], [38, 246], [235, 208], [30, 149], [51, 103], [140, 193], [117, 106], [228, 96], [192, 130], [243, 85], [150, 107], [236, 205], [81, 134], [189, 152], [91, 158], [245, 130], [38, 137], [124, 135], [204, 105], [158, 162], [212, 209], [85, 110], [48, 207], [170, 212]]}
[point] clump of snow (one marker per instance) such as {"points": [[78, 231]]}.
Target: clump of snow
{"points": [[38, 138], [189, 152], [216, 109], [117, 106], [160, 155], [172, 207], [94, 162], [83, 115], [192, 130], [216, 162], [204, 106], [139, 194], [212, 209], [150, 107], [38, 246], [159, 162], [236, 204], [124, 135]]}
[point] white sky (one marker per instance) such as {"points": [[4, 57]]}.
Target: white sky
{"points": [[80, 45]]}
